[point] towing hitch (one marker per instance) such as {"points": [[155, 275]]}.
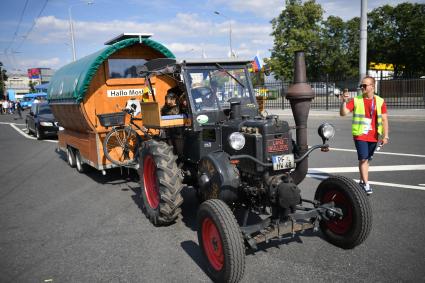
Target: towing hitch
{"points": [[304, 219]]}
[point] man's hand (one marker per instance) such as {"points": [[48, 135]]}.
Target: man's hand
{"points": [[385, 140], [344, 98], [345, 95]]}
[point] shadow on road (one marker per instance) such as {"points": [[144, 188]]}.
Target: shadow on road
{"points": [[189, 207], [194, 251]]}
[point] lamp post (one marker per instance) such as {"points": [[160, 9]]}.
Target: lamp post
{"points": [[230, 32], [71, 29]]}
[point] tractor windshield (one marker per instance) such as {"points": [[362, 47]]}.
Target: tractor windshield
{"points": [[212, 87]]}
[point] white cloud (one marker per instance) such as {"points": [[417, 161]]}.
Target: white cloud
{"points": [[39, 63], [188, 28], [186, 35], [265, 9]]}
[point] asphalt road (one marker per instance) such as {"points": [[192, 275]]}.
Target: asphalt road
{"points": [[57, 225]]}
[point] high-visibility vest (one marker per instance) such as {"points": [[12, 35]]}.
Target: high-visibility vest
{"points": [[359, 122]]}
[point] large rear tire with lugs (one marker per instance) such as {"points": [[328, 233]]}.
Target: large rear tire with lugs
{"points": [[160, 182], [354, 226], [221, 241]]}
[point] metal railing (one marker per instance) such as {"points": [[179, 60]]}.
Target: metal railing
{"points": [[398, 93]]}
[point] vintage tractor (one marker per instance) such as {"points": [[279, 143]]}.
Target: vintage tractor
{"points": [[244, 165]]}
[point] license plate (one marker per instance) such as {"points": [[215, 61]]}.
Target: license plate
{"points": [[283, 161]]}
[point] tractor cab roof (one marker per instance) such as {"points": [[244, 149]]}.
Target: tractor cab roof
{"points": [[163, 63], [212, 61]]}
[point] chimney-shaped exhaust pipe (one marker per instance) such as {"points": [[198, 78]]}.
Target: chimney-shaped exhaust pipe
{"points": [[300, 95]]}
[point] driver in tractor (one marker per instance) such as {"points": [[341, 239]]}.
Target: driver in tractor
{"points": [[170, 107], [203, 97]]}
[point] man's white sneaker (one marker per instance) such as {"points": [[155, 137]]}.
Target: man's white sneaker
{"points": [[367, 189]]}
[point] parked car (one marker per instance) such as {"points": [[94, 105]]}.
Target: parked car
{"points": [[41, 122], [319, 88]]}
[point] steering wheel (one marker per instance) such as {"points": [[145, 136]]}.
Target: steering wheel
{"points": [[204, 97]]}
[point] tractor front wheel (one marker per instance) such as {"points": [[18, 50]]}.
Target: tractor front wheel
{"points": [[353, 227], [221, 241]]}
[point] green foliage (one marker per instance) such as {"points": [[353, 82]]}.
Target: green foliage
{"points": [[3, 78], [395, 35], [296, 28], [32, 85], [257, 78]]}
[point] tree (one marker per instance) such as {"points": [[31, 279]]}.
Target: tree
{"points": [[296, 28], [32, 85], [3, 79], [397, 36], [334, 49], [352, 45]]}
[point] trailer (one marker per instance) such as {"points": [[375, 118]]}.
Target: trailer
{"points": [[102, 83]]}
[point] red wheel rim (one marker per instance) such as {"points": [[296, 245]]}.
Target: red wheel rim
{"points": [[337, 225], [150, 182], [212, 244]]}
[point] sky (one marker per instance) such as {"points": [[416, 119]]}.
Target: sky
{"points": [[35, 33]]}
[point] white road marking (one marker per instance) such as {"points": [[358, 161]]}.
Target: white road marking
{"points": [[22, 132], [315, 172], [322, 177], [25, 134], [371, 169], [380, 152]]}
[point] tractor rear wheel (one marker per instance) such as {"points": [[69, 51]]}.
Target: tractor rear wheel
{"points": [[221, 241], [160, 182], [354, 226]]}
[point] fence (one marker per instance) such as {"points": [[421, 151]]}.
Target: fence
{"points": [[398, 93]]}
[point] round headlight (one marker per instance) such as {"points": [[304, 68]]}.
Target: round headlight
{"points": [[326, 131], [237, 141]]}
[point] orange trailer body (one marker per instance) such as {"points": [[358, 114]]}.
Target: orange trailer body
{"points": [[93, 85]]}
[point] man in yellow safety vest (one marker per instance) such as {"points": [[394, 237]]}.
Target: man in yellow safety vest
{"points": [[369, 125]]}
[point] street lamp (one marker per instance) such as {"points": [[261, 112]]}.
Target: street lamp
{"points": [[230, 32], [71, 28]]}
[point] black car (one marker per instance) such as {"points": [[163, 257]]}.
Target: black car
{"points": [[41, 122]]}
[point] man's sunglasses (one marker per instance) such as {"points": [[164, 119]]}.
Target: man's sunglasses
{"points": [[363, 86]]}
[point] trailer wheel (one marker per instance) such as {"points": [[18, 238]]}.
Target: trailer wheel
{"points": [[354, 226], [70, 157], [221, 241], [160, 182], [81, 166]]}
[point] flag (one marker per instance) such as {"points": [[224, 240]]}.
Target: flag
{"points": [[256, 64]]}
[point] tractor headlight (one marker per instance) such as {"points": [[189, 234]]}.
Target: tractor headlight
{"points": [[326, 131], [237, 140]]}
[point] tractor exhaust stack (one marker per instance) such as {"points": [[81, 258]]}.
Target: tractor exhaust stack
{"points": [[300, 95]]}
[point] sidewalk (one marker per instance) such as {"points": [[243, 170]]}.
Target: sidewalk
{"points": [[399, 114]]}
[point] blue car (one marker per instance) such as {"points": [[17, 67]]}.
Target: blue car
{"points": [[29, 98]]}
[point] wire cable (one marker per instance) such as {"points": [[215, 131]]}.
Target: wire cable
{"points": [[32, 26], [18, 26]]}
